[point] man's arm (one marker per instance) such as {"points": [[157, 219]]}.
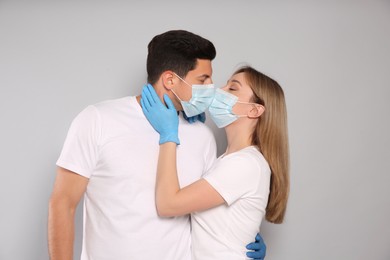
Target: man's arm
{"points": [[68, 189], [259, 249]]}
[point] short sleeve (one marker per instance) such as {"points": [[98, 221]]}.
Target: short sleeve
{"points": [[234, 177], [80, 151]]}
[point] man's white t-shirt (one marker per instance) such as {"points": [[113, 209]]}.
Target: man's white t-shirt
{"points": [[242, 179], [113, 145]]}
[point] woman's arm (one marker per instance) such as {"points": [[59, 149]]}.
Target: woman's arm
{"points": [[170, 199], [173, 201]]}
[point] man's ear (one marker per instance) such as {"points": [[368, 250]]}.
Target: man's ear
{"points": [[256, 111], [168, 79]]}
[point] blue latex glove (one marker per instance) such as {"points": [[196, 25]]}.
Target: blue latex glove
{"points": [[259, 248], [163, 119], [193, 119]]}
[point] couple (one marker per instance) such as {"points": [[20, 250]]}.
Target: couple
{"points": [[111, 156]]}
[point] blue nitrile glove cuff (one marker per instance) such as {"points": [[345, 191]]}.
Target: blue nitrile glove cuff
{"points": [[171, 137]]}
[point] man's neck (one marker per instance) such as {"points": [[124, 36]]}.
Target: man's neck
{"points": [[160, 90]]}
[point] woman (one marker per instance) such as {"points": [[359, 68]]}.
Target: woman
{"points": [[250, 180]]}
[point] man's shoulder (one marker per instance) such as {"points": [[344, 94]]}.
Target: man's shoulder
{"points": [[114, 103], [117, 106], [111, 109]]}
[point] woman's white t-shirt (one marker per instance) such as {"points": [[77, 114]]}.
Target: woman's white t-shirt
{"points": [[242, 179]]}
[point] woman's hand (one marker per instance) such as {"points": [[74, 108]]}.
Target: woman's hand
{"points": [[164, 119]]}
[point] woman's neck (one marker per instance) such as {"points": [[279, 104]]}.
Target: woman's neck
{"points": [[238, 137]]}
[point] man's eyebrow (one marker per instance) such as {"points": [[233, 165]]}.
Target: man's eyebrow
{"points": [[204, 76]]}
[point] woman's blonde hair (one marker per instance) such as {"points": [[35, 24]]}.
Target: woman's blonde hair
{"points": [[270, 136]]}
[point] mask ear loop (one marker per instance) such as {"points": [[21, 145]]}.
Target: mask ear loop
{"points": [[245, 103], [182, 80], [174, 91], [176, 95]]}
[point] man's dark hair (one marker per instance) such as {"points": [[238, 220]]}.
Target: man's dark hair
{"points": [[176, 50]]}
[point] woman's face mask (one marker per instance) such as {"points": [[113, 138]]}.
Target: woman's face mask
{"points": [[202, 96], [221, 108]]}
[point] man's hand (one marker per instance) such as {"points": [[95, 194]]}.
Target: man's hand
{"points": [[259, 249], [201, 117]]}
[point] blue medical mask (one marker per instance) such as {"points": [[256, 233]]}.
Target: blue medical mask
{"points": [[202, 96], [221, 109]]}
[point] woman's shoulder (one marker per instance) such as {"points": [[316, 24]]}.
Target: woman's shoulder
{"points": [[248, 157]]}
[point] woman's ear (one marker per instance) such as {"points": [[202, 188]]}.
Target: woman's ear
{"points": [[168, 79], [256, 111]]}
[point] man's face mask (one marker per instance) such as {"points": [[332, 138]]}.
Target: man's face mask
{"points": [[202, 96], [221, 109]]}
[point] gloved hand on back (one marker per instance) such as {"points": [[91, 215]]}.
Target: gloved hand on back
{"points": [[259, 248]]}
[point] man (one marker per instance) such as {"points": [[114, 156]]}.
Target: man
{"points": [[110, 156]]}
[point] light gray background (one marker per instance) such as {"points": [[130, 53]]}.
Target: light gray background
{"points": [[331, 58]]}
